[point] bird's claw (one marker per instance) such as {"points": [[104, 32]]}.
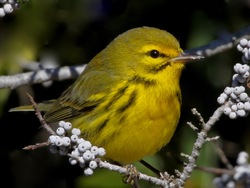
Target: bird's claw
{"points": [[132, 176]]}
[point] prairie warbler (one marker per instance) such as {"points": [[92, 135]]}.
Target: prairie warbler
{"points": [[128, 98]]}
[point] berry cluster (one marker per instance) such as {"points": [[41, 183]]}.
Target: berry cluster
{"points": [[8, 6], [67, 141], [236, 95], [241, 174]]}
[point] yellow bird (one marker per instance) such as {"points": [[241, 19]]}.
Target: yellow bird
{"points": [[128, 98]]}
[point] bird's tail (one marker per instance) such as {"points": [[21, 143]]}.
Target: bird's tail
{"points": [[44, 106], [22, 108]]}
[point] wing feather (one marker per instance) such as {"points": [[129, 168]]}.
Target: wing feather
{"points": [[82, 97]]}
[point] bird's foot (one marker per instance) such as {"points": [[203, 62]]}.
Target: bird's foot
{"points": [[132, 176]]}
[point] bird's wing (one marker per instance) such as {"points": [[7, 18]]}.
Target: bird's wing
{"points": [[89, 90]]}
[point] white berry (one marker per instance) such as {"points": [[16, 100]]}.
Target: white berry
{"points": [[2, 13], [72, 161], [92, 164], [76, 131], [228, 90], [243, 42], [94, 150], [67, 125], [66, 141], [60, 131], [88, 155], [243, 96], [221, 100], [101, 151], [241, 113], [8, 8], [227, 110], [232, 115], [239, 48], [247, 106], [74, 138], [234, 107], [240, 105], [88, 171], [82, 147]]}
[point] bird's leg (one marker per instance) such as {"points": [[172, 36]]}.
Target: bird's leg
{"points": [[150, 167]]}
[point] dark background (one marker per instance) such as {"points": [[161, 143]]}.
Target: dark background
{"points": [[71, 33]]}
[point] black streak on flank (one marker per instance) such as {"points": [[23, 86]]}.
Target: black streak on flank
{"points": [[117, 95], [129, 103], [100, 127], [122, 118], [142, 80]]}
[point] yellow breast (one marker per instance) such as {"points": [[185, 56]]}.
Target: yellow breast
{"points": [[149, 125], [136, 125]]}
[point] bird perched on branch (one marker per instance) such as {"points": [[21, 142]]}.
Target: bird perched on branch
{"points": [[128, 98]]}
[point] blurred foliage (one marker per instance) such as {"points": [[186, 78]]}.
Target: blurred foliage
{"points": [[74, 31]]}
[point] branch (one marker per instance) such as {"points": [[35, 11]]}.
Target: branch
{"points": [[40, 76], [200, 141], [36, 146], [40, 117], [123, 170]]}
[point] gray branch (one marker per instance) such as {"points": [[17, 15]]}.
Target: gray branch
{"points": [[200, 141], [221, 45], [141, 176], [40, 76]]}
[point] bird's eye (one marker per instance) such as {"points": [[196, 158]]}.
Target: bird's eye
{"points": [[154, 53]]}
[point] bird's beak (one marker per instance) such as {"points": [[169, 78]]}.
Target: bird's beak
{"points": [[186, 57]]}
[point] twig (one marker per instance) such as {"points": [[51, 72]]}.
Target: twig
{"points": [[40, 117], [192, 126], [222, 156], [218, 171], [209, 139], [36, 146], [198, 115]]}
